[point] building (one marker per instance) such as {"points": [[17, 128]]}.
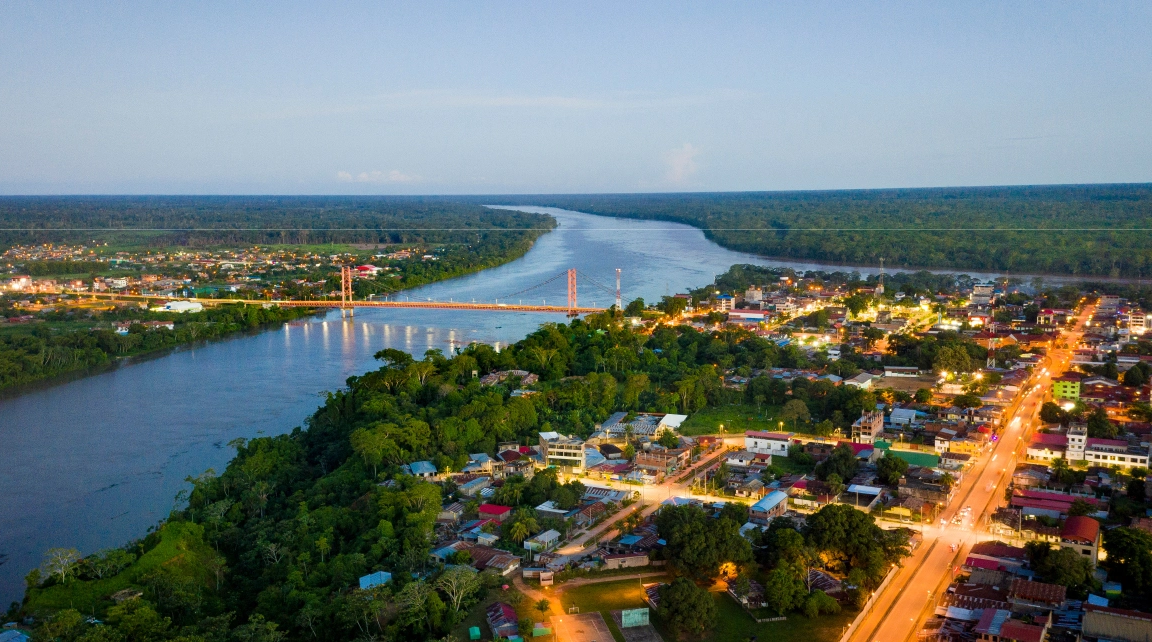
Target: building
{"points": [[379, 578], [663, 461], [997, 625], [868, 427], [724, 302], [1026, 595], [773, 505], [768, 443], [626, 560], [1103, 623], [901, 371], [502, 620], [423, 469], [1081, 534], [562, 451], [1066, 386], [545, 541], [903, 417], [862, 380], [494, 511], [451, 513]]}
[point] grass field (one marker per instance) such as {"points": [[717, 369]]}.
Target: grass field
{"points": [[732, 622], [735, 419], [476, 616]]}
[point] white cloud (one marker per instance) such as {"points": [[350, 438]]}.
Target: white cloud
{"points": [[681, 163], [377, 176]]}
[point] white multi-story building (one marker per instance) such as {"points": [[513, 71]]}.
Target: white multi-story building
{"points": [[561, 450], [753, 295], [768, 443]]}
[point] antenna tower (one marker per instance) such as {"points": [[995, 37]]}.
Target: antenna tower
{"points": [[880, 285]]}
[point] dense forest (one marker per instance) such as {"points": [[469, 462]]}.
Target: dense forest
{"points": [[271, 548], [204, 221], [1068, 230]]}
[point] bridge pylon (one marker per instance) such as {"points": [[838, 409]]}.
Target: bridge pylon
{"points": [[346, 292], [572, 292]]}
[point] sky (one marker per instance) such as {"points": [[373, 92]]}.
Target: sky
{"points": [[547, 97]]}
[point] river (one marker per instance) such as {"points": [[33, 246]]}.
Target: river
{"points": [[94, 462]]}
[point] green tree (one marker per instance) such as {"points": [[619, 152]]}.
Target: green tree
{"points": [[891, 468], [1081, 507], [795, 410], [543, 605], [783, 590], [1130, 559], [634, 308], [923, 395], [686, 608]]}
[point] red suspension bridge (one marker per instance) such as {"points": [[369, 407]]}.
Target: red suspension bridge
{"points": [[347, 303]]}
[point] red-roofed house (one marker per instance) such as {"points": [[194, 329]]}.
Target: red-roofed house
{"points": [[1046, 447], [1081, 534], [502, 620], [494, 511]]}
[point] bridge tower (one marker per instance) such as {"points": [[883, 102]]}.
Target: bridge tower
{"points": [[619, 309], [346, 292], [571, 292]]}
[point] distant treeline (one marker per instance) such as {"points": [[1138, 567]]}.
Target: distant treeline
{"points": [[1089, 230], [47, 268], [199, 221], [34, 352]]}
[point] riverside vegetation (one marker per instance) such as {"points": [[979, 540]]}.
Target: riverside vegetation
{"points": [[272, 547], [63, 334]]}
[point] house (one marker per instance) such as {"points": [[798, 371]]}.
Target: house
{"points": [[423, 469], [549, 509], [666, 461], [14, 635], [589, 514], [1047, 446], [862, 380], [1104, 623], [1081, 534], [1025, 595], [903, 417], [545, 541], [367, 270], [451, 513], [901, 371], [494, 511], [768, 443], [379, 578], [502, 620], [997, 625], [625, 560], [473, 487], [771, 506]]}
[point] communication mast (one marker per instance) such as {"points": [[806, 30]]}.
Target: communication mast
{"points": [[880, 285], [571, 292]]}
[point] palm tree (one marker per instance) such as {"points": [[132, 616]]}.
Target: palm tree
{"points": [[519, 532]]}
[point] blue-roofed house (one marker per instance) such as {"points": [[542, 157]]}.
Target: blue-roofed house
{"points": [[379, 578], [773, 505], [420, 469]]}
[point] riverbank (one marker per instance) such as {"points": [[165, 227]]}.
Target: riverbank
{"points": [[1081, 232]]}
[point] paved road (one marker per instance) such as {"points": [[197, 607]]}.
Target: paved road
{"points": [[906, 601]]}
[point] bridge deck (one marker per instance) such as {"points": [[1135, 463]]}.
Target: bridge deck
{"points": [[431, 305]]}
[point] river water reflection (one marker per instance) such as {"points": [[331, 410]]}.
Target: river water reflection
{"points": [[92, 463]]}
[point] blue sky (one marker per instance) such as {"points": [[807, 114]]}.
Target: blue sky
{"points": [[472, 97]]}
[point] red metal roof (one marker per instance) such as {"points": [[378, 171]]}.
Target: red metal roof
{"points": [[1021, 632], [493, 509], [1049, 439], [1080, 528]]}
